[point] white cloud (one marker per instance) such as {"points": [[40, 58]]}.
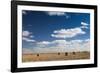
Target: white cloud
{"points": [[52, 13], [78, 41], [24, 12], [67, 33], [87, 40], [52, 42], [60, 41], [62, 46], [31, 36], [43, 43], [27, 39], [26, 33], [84, 24], [51, 45], [79, 46], [26, 36], [84, 27], [55, 13]]}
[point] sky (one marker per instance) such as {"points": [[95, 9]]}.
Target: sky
{"points": [[49, 31]]}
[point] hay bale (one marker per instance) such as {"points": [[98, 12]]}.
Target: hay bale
{"points": [[37, 54], [58, 53], [66, 53]]}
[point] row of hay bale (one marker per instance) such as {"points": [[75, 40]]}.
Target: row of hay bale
{"points": [[66, 53]]}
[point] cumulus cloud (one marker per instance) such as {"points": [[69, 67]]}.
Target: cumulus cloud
{"points": [[84, 24], [44, 43], [62, 46], [27, 39], [60, 41], [56, 13], [26, 36], [31, 36], [55, 42], [84, 27], [52, 13], [78, 41], [26, 33], [67, 33]]}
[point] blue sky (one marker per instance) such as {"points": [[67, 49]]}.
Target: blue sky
{"points": [[43, 29]]}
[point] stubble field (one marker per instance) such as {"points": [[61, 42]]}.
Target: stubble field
{"points": [[55, 56]]}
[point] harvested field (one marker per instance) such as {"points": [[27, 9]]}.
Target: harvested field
{"points": [[55, 56]]}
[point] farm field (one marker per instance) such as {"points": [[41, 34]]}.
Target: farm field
{"points": [[55, 56]]}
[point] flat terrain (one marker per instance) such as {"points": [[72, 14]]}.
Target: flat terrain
{"points": [[55, 56]]}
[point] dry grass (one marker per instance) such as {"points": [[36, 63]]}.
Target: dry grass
{"points": [[55, 56]]}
